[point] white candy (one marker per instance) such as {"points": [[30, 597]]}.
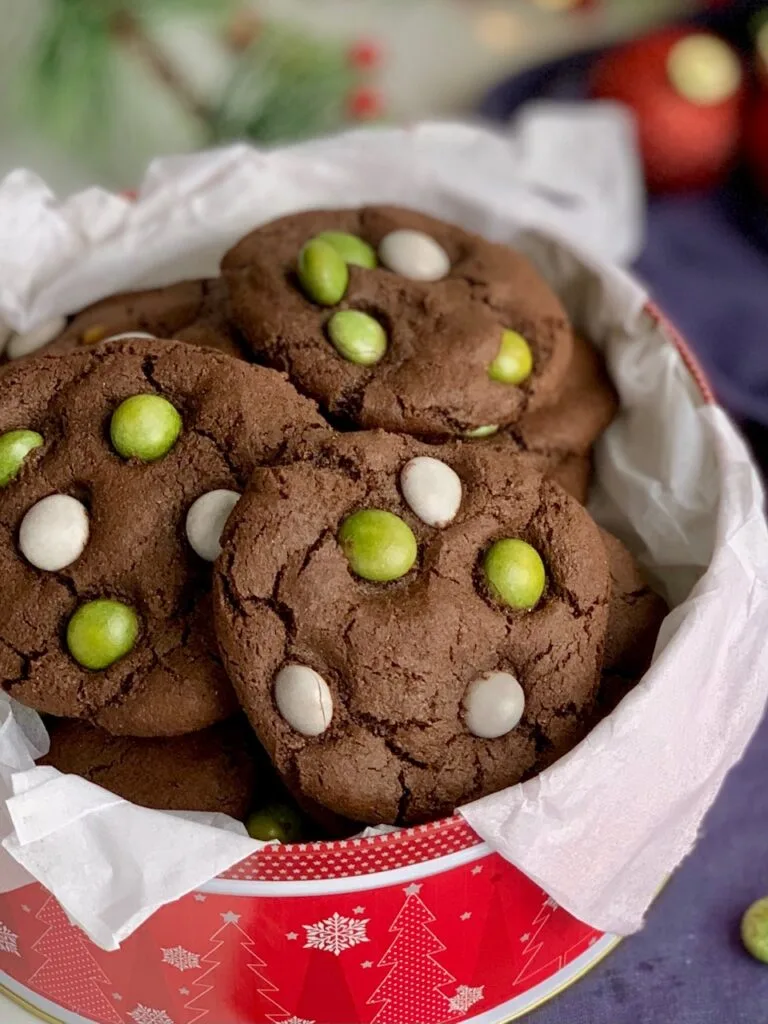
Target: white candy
{"points": [[414, 254], [54, 532], [29, 342], [130, 334], [206, 520], [493, 705], [432, 489], [303, 699]]}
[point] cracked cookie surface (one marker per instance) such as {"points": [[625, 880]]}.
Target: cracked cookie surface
{"points": [[212, 770], [442, 336], [384, 669], [234, 417]]}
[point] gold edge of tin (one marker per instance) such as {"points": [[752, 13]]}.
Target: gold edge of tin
{"points": [[26, 1005], [563, 985]]}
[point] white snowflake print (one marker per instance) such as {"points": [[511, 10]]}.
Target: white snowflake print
{"points": [[465, 997], [298, 1020], [335, 934], [9, 941], [146, 1015], [181, 958]]}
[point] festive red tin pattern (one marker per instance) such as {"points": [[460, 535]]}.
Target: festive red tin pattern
{"points": [[436, 949]]}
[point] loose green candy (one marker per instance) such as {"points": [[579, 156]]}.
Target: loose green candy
{"points": [[487, 431], [14, 448], [357, 337], [514, 361], [102, 632], [353, 250], [515, 573], [754, 930], [322, 272], [379, 545], [145, 427], [276, 821]]}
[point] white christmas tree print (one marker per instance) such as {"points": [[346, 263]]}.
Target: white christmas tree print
{"points": [[181, 958], [540, 951], [465, 997], [9, 941], [234, 947], [336, 933], [411, 991], [146, 1015], [69, 973]]}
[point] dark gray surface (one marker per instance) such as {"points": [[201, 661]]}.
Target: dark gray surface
{"points": [[688, 966]]}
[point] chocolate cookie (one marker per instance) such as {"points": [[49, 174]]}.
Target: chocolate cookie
{"points": [[405, 631], [635, 615], [583, 411], [634, 619], [191, 311], [118, 468], [394, 319], [559, 438], [212, 770]]}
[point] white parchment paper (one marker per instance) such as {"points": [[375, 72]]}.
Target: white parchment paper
{"points": [[602, 829]]}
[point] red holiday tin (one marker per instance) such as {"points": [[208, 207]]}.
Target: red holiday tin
{"points": [[423, 926]]}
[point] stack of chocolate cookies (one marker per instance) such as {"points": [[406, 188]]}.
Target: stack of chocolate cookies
{"points": [[337, 492]]}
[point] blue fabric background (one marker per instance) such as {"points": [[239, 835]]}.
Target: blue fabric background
{"points": [[706, 264]]}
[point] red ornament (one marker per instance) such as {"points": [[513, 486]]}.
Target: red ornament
{"points": [[366, 53], [756, 139], [365, 104], [685, 89]]}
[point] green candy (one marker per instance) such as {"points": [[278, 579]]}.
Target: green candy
{"points": [[15, 446], [353, 250], [379, 545], [322, 272], [145, 427], [754, 930], [514, 361], [357, 337], [487, 431], [102, 632], [276, 821], [515, 573]]}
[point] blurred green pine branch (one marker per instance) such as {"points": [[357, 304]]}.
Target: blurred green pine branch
{"points": [[285, 86]]}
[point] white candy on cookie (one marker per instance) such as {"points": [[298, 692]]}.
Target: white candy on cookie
{"points": [[54, 532]]}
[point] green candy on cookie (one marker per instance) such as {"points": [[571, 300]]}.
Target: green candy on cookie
{"points": [[352, 249], [514, 362], [322, 272], [145, 427], [515, 573], [102, 632], [379, 545], [357, 337], [15, 446]]}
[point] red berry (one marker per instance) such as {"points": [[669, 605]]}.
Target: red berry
{"points": [[684, 144], [756, 140], [365, 104], [365, 54]]}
